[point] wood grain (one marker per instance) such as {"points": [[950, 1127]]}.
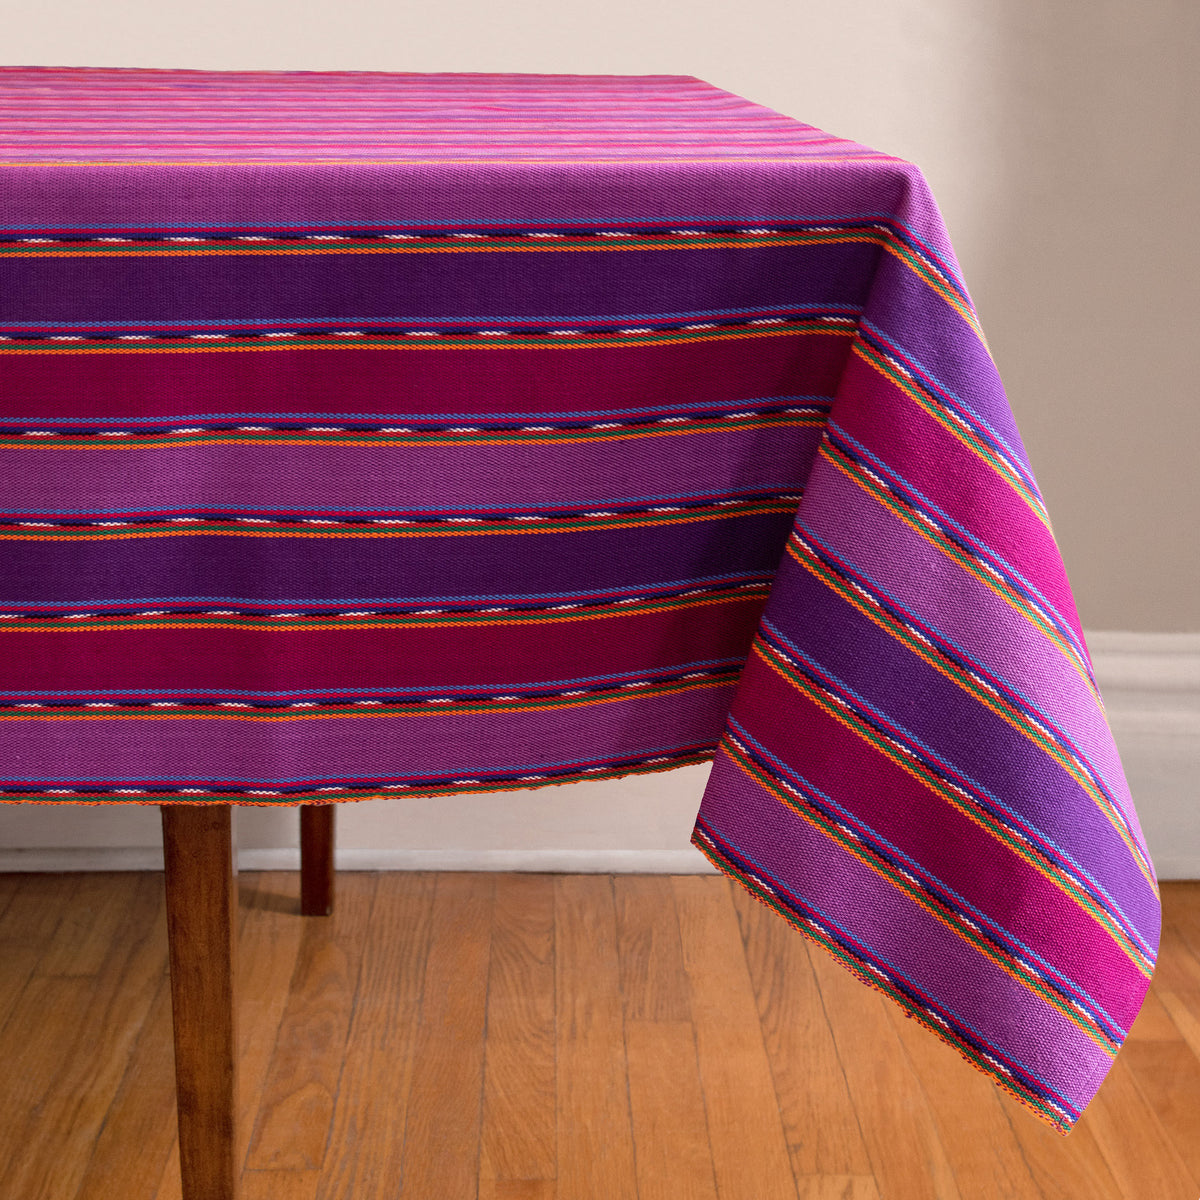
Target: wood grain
{"points": [[670, 1127], [838, 1187], [519, 1133], [113, 1005], [907, 1156], [654, 985], [316, 859], [367, 1136], [819, 1120], [1133, 1142], [202, 938], [594, 1135], [749, 1149], [292, 1128], [441, 1128], [587, 975]]}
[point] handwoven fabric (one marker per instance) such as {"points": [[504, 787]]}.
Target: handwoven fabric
{"points": [[377, 435]]}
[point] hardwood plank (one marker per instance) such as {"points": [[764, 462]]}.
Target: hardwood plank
{"points": [[316, 859], [1178, 968], [670, 1130], [518, 1139], [202, 911], [1134, 1145], [967, 1107], [1153, 1022], [1168, 1076], [8, 889], [749, 1149], [516, 1189], [279, 1185], [1064, 1168], [56, 1139], [169, 1187], [366, 1138], [83, 939], [43, 1034], [595, 1142], [441, 1129], [819, 1120], [269, 945], [1181, 910], [908, 1159], [1184, 1009], [293, 1121], [37, 907], [142, 1114], [838, 1187], [653, 982]]}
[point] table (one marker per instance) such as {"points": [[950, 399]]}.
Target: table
{"points": [[390, 434]]}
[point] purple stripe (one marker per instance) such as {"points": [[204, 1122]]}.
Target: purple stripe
{"points": [[462, 289], [910, 313], [78, 575], [328, 480], [917, 945], [436, 742], [443, 194], [899, 562]]}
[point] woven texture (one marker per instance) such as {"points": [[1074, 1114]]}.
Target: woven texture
{"points": [[377, 435]]}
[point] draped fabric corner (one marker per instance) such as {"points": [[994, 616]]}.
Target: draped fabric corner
{"points": [[917, 772], [369, 435]]}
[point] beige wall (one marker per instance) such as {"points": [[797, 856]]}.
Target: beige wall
{"points": [[1060, 139]]}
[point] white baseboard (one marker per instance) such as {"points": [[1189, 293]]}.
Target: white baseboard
{"points": [[1151, 687]]}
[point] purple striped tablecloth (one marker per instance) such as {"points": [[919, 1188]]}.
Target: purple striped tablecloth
{"points": [[374, 435]]}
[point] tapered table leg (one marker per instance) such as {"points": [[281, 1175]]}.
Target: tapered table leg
{"points": [[316, 859], [201, 931]]}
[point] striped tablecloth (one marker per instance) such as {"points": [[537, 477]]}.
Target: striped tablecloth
{"points": [[374, 435]]}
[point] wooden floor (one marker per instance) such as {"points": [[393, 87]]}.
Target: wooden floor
{"points": [[536, 1037]]}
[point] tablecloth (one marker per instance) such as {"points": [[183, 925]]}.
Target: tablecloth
{"points": [[391, 434]]}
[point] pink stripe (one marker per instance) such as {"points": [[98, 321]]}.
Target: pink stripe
{"points": [[500, 656], [952, 476]]}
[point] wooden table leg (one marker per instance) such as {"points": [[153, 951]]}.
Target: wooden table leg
{"points": [[316, 859], [201, 930]]}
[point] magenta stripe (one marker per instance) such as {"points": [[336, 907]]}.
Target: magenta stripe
{"points": [[404, 382], [952, 476]]}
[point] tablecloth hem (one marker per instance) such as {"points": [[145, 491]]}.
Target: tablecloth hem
{"points": [[1059, 1123], [416, 791]]}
